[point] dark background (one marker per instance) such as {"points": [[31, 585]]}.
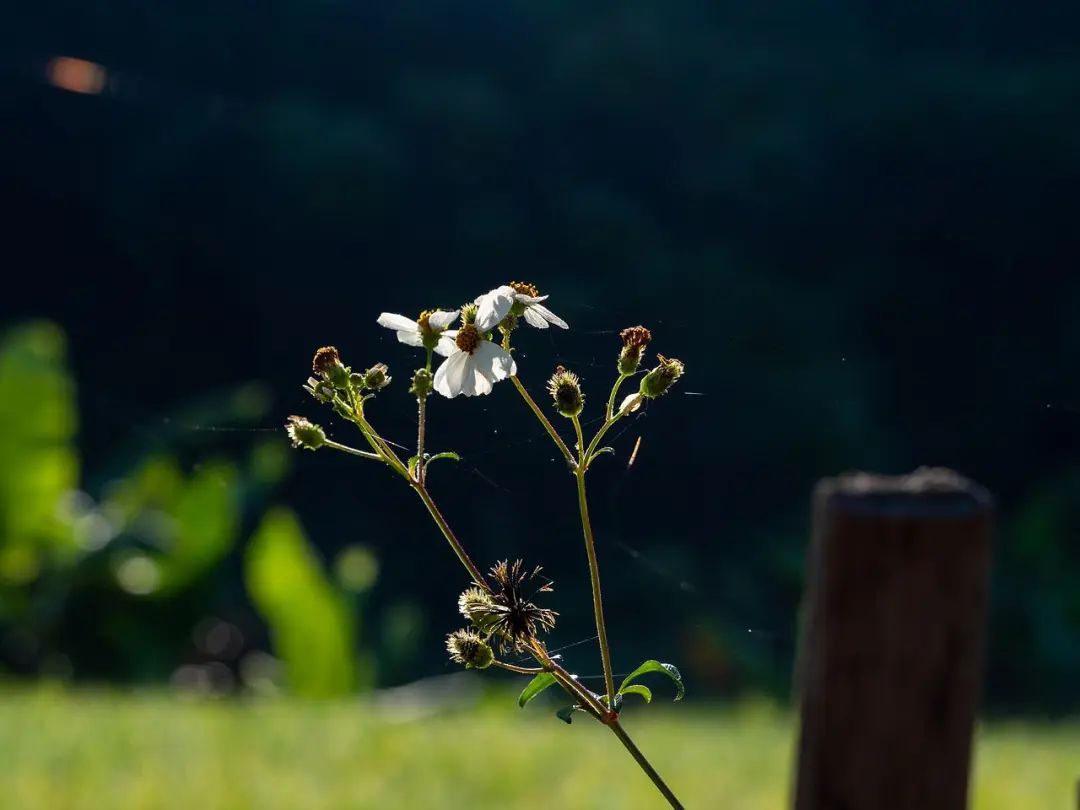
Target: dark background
{"points": [[854, 221]]}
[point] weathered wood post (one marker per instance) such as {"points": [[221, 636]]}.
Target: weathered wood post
{"points": [[890, 659]]}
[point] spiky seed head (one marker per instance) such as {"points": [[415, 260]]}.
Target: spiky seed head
{"points": [[478, 607], [565, 389], [469, 648], [468, 313], [519, 620], [657, 381], [304, 433], [377, 377]]}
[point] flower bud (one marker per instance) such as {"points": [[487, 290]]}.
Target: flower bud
{"points": [[660, 379], [634, 339], [421, 384], [304, 433], [478, 607], [565, 389], [327, 364], [376, 377], [468, 313], [320, 389], [469, 648]]}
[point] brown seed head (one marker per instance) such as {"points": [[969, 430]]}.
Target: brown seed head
{"points": [[635, 337], [326, 359], [468, 338]]}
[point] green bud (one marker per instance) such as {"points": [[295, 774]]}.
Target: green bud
{"points": [[478, 607], [376, 377], [421, 384], [469, 648], [565, 389], [304, 433], [660, 379]]}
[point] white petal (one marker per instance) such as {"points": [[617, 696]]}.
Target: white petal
{"points": [[440, 319], [492, 307], [534, 318], [448, 376], [446, 345], [481, 381], [550, 316], [398, 322], [469, 374], [410, 338], [632, 401], [528, 299], [494, 360]]}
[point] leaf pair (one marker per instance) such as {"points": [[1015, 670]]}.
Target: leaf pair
{"points": [[543, 680]]}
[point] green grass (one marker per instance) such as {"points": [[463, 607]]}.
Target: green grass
{"points": [[108, 751]]}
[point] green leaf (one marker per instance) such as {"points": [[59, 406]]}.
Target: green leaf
{"points": [[413, 460], [311, 626], [566, 713], [537, 685], [637, 689], [653, 665], [450, 454]]}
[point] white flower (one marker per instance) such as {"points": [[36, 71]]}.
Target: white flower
{"points": [[428, 331], [521, 299], [474, 364]]}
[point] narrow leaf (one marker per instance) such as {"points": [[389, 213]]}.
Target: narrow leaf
{"points": [[637, 689], [535, 687], [450, 454], [653, 665]]}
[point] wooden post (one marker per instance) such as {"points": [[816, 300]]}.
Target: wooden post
{"points": [[891, 654]]}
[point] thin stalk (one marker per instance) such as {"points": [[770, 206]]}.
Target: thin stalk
{"points": [[594, 577], [555, 437], [611, 399], [344, 448], [639, 757], [516, 668], [451, 538], [421, 413]]}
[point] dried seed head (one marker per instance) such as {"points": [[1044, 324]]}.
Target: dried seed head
{"points": [[325, 359], [519, 620], [634, 339], [660, 379], [565, 389], [304, 433], [469, 648]]}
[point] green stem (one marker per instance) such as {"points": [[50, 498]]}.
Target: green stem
{"points": [[639, 757], [517, 669], [594, 577], [555, 437], [344, 448], [614, 393], [421, 408], [451, 538]]}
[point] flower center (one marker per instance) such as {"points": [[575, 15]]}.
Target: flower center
{"points": [[468, 338], [422, 321], [525, 288]]}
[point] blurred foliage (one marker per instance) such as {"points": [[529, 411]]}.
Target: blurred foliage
{"points": [[854, 220], [312, 629], [87, 751], [39, 466]]}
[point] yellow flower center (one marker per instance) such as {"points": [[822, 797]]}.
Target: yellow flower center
{"points": [[525, 288]]}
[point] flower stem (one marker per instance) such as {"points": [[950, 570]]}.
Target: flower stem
{"points": [[555, 437], [344, 448], [594, 577], [639, 757], [421, 413], [614, 393], [515, 668], [451, 538]]}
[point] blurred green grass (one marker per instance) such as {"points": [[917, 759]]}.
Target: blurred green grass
{"points": [[64, 750]]}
